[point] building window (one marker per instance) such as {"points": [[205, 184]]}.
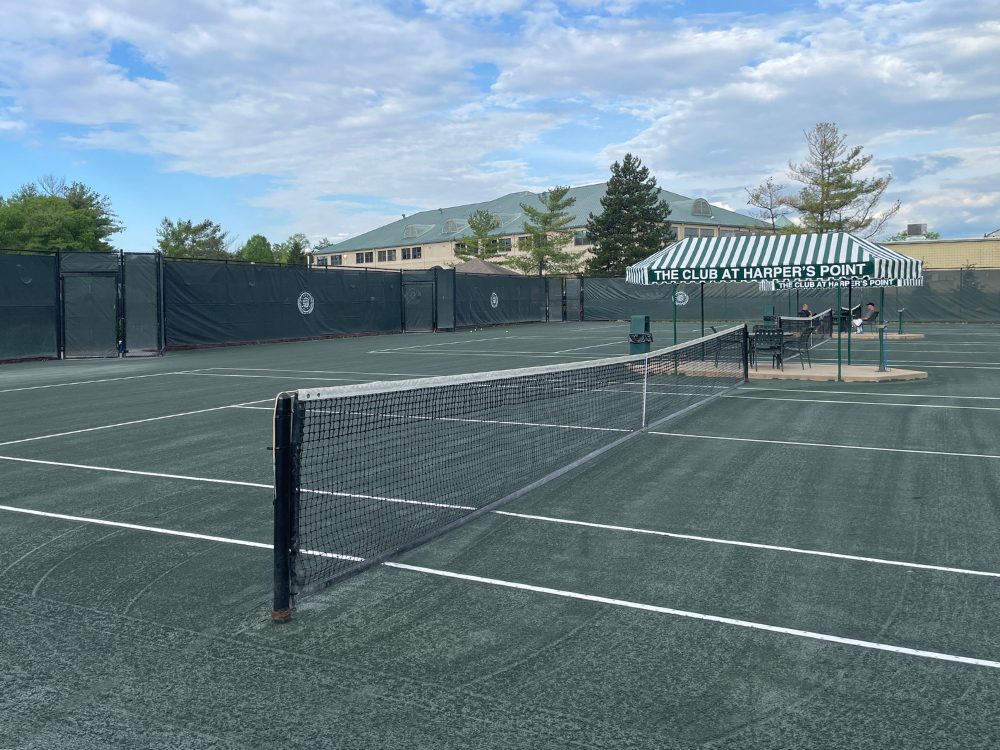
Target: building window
{"points": [[698, 232], [390, 254], [459, 247], [524, 242], [505, 245], [359, 258], [321, 260], [581, 238], [336, 260], [406, 252], [365, 257], [417, 253], [381, 256], [731, 232]]}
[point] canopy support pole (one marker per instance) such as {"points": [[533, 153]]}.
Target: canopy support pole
{"points": [[881, 304], [840, 331], [850, 316], [703, 309], [673, 302]]}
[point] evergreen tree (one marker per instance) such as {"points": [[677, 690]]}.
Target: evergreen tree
{"points": [[547, 228], [834, 198], [480, 244], [634, 222], [185, 239]]}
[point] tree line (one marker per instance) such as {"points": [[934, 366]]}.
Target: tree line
{"points": [[634, 221], [52, 215]]}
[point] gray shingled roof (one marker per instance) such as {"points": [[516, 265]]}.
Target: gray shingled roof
{"points": [[446, 224]]}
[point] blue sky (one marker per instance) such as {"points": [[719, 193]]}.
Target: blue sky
{"points": [[331, 117]]}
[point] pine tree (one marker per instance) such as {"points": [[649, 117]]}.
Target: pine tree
{"points": [[634, 222], [547, 228], [834, 199], [480, 244]]}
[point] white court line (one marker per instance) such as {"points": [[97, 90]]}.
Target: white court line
{"points": [[923, 365], [167, 532], [269, 377], [893, 360], [88, 382], [616, 342], [311, 372], [751, 545], [871, 393], [134, 421], [826, 445], [561, 593], [699, 616], [444, 343], [866, 403], [497, 354], [233, 482]]}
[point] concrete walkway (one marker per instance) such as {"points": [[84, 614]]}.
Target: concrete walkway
{"points": [[867, 373]]}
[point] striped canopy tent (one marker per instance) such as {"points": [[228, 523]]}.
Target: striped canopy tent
{"points": [[835, 261], [799, 258]]}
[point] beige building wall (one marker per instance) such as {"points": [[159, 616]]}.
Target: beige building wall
{"points": [[443, 253], [939, 255]]}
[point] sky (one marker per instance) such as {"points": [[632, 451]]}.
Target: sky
{"points": [[333, 117]]}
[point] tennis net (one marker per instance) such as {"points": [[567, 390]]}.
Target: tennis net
{"points": [[365, 472], [820, 324]]}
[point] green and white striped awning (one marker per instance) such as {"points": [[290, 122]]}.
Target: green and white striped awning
{"points": [[771, 257]]}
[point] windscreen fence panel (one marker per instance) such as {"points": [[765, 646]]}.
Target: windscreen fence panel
{"points": [[486, 299], [964, 296], [210, 303], [29, 306], [444, 288], [556, 304], [142, 303], [90, 315]]}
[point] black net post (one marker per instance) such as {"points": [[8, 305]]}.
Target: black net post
{"points": [[746, 354], [284, 498]]}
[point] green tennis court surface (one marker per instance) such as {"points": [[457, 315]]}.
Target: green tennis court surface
{"points": [[793, 565]]}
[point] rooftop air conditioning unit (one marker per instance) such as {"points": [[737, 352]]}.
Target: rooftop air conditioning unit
{"points": [[916, 230]]}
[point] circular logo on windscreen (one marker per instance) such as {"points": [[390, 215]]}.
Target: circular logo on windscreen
{"points": [[494, 300], [681, 298], [306, 303]]}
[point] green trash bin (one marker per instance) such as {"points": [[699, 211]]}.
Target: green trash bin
{"points": [[640, 338]]}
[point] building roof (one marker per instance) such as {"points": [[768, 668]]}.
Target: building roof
{"points": [[446, 224], [478, 265]]}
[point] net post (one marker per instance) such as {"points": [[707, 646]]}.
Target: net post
{"points": [[284, 497], [645, 388], [746, 354]]}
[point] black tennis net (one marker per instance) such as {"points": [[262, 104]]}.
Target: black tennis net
{"points": [[365, 472], [820, 325]]}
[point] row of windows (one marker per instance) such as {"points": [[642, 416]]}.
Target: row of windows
{"points": [[367, 257]]}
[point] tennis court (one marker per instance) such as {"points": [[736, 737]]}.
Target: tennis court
{"points": [[792, 565]]}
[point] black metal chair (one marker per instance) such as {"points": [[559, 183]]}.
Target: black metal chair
{"points": [[769, 341], [799, 344]]}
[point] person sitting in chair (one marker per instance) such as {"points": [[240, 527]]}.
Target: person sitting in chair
{"points": [[870, 316], [805, 312]]}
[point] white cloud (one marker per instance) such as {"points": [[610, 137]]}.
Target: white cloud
{"points": [[332, 97]]}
